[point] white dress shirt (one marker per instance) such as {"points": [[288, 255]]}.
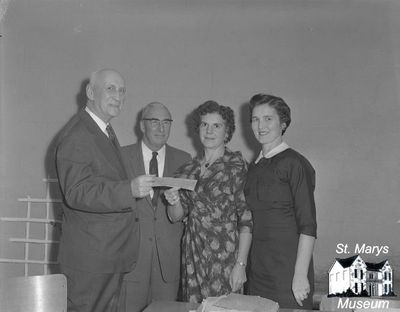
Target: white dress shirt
{"points": [[102, 125], [148, 155]]}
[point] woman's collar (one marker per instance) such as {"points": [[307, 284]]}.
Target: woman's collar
{"points": [[276, 150]]}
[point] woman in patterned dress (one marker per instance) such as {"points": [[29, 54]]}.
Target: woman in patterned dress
{"points": [[280, 192], [218, 223]]}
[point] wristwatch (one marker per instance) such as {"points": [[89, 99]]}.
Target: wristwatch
{"points": [[241, 263]]}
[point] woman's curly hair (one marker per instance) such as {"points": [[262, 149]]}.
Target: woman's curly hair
{"points": [[210, 107]]}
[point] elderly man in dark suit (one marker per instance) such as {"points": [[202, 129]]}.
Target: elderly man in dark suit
{"points": [[100, 234], [156, 275]]}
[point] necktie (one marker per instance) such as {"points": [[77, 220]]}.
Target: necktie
{"points": [[153, 169], [112, 136]]}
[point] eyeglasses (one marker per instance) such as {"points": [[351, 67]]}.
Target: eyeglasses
{"points": [[155, 122], [112, 90]]}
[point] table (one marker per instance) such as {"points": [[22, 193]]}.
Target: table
{"points": [[170, 306], [45, 293]]}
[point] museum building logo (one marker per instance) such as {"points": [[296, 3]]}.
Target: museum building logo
{"points": [[354, 276], [357, 284]]}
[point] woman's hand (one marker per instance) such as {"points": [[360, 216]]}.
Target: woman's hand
{"points": [[172, 196], [237, 277], [300, 284], [300, 288]]}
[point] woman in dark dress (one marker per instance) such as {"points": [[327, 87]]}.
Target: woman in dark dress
{"points": [[218, 223], [280, 193]]}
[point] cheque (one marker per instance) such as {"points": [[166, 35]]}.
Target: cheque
{"points": [[187, 184]]}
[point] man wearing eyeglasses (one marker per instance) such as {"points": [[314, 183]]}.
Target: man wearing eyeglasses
{"points": [[100, 232], [156, 275]]}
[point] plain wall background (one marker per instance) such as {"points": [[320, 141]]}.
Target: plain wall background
{"points": [[336, 63]]}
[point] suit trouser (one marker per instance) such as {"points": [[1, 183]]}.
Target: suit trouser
{"points": [[137, 294], [92, 292]]}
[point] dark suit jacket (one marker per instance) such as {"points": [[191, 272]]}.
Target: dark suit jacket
{"points": [[154, 223], [99, 230]]}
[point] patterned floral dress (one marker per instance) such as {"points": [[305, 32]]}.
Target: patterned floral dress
{"points": [[216, 212]]}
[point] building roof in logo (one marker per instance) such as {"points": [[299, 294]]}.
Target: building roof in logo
{"points": [[347, 262], [375, 266]]}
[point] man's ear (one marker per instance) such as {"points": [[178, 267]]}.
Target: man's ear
{"points": [[89, 92], [142, 126]]}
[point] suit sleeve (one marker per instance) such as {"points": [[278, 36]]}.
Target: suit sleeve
{"points": [[86, 181]]}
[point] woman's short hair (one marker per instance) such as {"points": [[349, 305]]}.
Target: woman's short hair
{"points": [[210, 107], [282, 109]]}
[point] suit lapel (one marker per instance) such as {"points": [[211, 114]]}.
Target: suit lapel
{"points": [[168, 162], [137, 160], [169, 165], [138, 164], [103, 143]]}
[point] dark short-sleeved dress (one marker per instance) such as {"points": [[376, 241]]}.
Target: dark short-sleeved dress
{"points": [[216, 212], [280, 193]]}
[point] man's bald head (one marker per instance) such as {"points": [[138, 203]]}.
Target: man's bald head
{"points": [[106, 93]]}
